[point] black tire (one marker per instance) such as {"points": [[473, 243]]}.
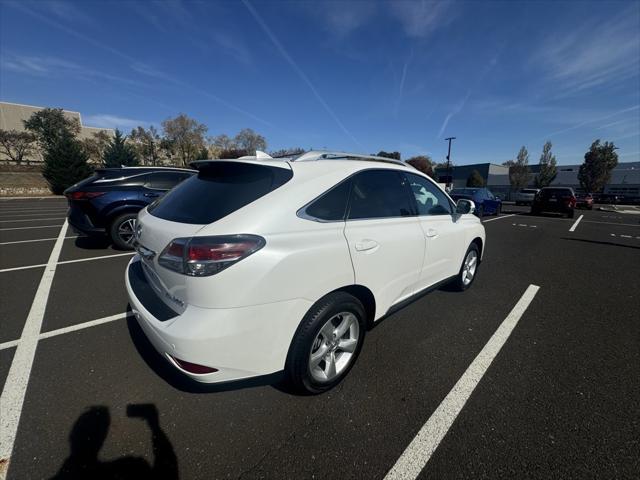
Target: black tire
{"points": [[297, 369], [498, 210], [481, 211], [459, 283], [535, 211], [570, 214], [119, 239]]}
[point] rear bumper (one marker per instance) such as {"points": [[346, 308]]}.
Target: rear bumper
{"points": [[559, 208], [82, 224], [239, 342]]}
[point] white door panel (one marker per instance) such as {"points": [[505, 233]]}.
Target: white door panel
{"points": [[443, 243], [387, 256]]}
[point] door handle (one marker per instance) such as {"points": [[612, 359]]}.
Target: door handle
{"points": [[152, 195], [364, 245], [431, 233]]}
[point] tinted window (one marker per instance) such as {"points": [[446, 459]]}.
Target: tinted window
{"points": [[379, 194], [220, 188], [430, 199], [164, 180], [120, 178], [332, 205]]}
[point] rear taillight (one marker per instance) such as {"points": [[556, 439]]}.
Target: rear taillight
{"points": [[193, 367], [205, 256], [83, 195]]}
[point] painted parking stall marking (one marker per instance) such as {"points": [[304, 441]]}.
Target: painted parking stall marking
{"points": [[421, 448], [575, 225], [15, 386]]}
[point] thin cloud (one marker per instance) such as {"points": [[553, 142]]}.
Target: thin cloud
{"points": [[104, 120], [456, 110], [403, 77], [298, 70], [133, 61], [421, 18], [592, 120]]}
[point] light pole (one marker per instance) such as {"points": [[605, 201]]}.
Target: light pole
{"points": [[449, 160]]}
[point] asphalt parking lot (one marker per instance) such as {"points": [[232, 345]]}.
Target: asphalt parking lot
{"points": [[560, 398]]}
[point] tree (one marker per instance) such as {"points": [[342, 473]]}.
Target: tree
{"points": [[16, 145], [223, 142], [519, 171], [49, 125], [65, 160], [95, 145], [595, 172], [475, 179], [235, 153], [548, 170], [382, 153], [288, 152], [65, 163], [424, 164], [118, 153], [186, 137], [146, 144], [250, 141]]}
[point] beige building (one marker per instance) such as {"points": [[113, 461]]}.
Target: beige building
{"points": [[12, 116]]}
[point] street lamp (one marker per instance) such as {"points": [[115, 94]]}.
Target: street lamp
{"points": [[449, 160]]}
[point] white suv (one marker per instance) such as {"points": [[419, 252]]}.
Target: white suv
{"points": [[256, 266]]}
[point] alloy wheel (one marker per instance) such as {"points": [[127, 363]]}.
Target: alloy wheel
{"points": [[334, 347], [469, 267], [126, 231]]}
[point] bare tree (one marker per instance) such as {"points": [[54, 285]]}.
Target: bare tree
{"points": [[250, 141], [424, 164], [186, 136], [95, 145], [147, 144], [16, 145], [548, 169]]}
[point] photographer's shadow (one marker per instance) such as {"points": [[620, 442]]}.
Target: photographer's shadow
{"points": [[89, 434]]}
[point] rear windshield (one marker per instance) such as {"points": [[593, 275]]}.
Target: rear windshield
{"points": [[547, 192], [220, 188]]}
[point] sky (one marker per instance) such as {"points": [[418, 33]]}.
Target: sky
{"points": [[358, 76]]}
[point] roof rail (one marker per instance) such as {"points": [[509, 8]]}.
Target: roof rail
{"points": [[326, 155]]}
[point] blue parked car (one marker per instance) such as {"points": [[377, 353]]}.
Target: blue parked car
{"points": [[486, 202], [108, 202]]}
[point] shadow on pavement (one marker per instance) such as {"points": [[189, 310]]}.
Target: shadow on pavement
{"points": [[600, 242], [92, 243], [161, 367], [88, 436]]}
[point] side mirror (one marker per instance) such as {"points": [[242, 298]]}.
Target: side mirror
{"points": [[465, 206], [498, 197]]}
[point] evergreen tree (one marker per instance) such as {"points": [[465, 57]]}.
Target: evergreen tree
{"points": [[118, 153], [519, 170], [548, 170], [65, 163]]}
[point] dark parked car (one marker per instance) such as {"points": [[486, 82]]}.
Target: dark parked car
{"points": [[554, 199], [584, 200], [486, 202], [108, 202]]}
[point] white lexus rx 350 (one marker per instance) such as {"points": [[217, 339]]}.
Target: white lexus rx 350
{"points": [[257, 266]]}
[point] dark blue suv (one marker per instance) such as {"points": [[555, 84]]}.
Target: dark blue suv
{"points": [[108, 202]]}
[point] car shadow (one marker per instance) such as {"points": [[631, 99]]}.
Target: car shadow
{"points": [[88, 435], [161, 367], [92, 243], [600, 242]]}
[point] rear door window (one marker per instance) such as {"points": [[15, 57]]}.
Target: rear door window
{"points": [[164, 180], [219, 189], [380, 194]]}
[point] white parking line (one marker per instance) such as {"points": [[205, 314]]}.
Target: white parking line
{"points": [[32, 211], [499, 218], [39, 214], [32, 220], [28, 228], [26, 267], [72, 328], [575, 225], [36, 240], [15, 386], [419, 451]]}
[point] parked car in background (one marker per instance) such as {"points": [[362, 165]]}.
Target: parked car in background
{"points": [[254, 267], [486, 202], [108, 202], [606, 198], [554, 199], [584, 200], [525, 196]]}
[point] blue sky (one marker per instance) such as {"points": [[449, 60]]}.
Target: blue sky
{"points": [[358, 76]]}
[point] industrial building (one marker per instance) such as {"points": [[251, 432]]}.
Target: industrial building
{"points": [[625, 178]]}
